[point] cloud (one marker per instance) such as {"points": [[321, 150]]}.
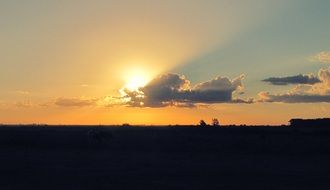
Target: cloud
{"points": [[24, 104], [22, 92], [297, 79], [110, 101], [174, 90], [84, 85], [75, 102], [221, 83], [322, 57], [324, 86], [293, 98], [19, 104], [318, 92]]}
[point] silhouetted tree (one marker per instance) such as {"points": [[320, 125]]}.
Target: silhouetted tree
{"points": [[202, 123], [126, 125], [215, 122]]}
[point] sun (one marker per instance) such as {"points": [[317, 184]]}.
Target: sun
{"points": [[136, 80]]}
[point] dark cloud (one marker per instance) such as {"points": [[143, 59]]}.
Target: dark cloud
{"points": [[298, 79], [75, 102], [174, 90], [318, 92]]}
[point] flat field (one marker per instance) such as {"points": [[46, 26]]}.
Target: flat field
{"points": [[105, 157]]}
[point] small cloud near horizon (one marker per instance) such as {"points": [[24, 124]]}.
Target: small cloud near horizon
{"points": [[75, 102], [24, 104], [297, 79], [311, 93], [22, 92], [84, 85], [321, 57]]}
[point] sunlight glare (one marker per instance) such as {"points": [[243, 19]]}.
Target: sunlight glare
{"points": [[136, 80]]}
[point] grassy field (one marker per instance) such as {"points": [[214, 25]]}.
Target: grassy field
{"points": [[91, 157]]}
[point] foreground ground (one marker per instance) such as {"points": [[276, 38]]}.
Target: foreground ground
{"points": [[164, 158]]}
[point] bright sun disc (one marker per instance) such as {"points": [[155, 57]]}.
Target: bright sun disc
{"points": [[135, 82]]}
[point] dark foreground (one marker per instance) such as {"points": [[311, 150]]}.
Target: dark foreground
{"points": [[164, 158]]}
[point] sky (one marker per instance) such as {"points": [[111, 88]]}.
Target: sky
{"points": [[164, 62]]}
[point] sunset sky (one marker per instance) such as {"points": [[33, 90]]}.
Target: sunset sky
{"points": [[164, 62]]}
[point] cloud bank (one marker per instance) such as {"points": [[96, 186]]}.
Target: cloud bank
{"points": [[175, 90], [294, 98], [297, 79], [306, 93]]}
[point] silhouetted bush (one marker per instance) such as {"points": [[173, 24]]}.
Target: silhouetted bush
{"points": [[202, 123], [215, 122]]}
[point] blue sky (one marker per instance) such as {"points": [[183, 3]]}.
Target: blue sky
{"points": [[277, 46]]}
